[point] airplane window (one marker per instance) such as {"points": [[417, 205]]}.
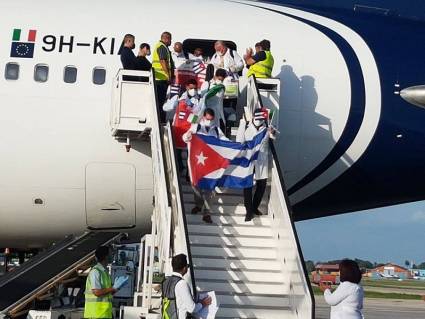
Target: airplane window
{"points": [[11, 71], [41, 73], [99, 75], [70, 74]]}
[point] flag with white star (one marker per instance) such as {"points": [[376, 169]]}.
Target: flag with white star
{"points": [[203, 160], [214, 162]]}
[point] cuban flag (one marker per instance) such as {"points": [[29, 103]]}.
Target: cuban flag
{"points": [[200, 70], [198, 67], [22, 49], [174, 90], [217, 163]]}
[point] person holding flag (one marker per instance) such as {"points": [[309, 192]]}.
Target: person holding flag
{"points": [[188, 107], [247, 132], [208, 128]]}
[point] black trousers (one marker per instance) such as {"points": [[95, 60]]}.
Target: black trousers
{"points": [[161, 90], [252, 203]]}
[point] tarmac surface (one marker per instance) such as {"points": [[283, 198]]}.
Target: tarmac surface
{"points": [[401, 290], [380, 309]]}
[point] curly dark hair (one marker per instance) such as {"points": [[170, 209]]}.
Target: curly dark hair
{"points": [[349, 271]]}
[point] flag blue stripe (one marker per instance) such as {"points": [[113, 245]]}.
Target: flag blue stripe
{"points": [[239, 173], [227, 181], [243, 161], [234, 145]]}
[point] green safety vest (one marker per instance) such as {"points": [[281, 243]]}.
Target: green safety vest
{"points": [[169, 305], [262, 69], [98, 307], [160, 74]]}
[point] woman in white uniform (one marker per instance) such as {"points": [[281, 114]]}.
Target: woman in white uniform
{"points": [[247, 132], [347, 300]]}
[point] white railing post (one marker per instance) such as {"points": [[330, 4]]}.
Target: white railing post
{"points": [[181, 238], [168, 216], [300, 297]]}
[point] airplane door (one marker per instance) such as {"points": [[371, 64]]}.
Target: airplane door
{"points": [[110, 195]]}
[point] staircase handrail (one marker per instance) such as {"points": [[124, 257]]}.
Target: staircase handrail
{"points": [[282, 193], [277, 177], [180, 222], [161, 221]]}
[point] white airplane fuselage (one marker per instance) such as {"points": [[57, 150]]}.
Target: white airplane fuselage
{"points": [[56, 138]]}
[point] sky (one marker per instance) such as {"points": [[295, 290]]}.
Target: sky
{"points": [[390, 234]]}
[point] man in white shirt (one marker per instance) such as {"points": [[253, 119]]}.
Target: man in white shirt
{"points": [[178, 55], [202, 197], [177, 299], [214, 96], [228, 59], [225, 58]]}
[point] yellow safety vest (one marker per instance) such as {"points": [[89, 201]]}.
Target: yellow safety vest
{"points": [[262, 69], [98, 307], [160, 74]]}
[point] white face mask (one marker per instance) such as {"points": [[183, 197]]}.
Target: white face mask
{"points": [[258, 122], [218, 81], [192, 92], [207, 123]]}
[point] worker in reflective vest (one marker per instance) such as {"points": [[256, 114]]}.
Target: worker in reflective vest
{"points": [[99, 289], [260, 64], [163, 65], [177, 299]]}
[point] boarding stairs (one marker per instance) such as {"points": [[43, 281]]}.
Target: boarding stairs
{"points": [[256, 268], [238, 259]]}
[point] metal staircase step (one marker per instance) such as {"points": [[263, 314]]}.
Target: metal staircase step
{"points": [[220, 209], [224, 201], [232, 241], [239, 264], [240, 252], [219, 219], [247, 312], [217, 199], [253, 300], [187, 189], [227, 209], [241, 275], [241, 287], [239, 230]]}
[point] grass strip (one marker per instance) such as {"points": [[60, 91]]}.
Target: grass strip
{"points": [[394, 284], [380, 295]]}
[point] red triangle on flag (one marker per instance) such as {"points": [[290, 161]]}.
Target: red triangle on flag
{"points": [[203, 160]]}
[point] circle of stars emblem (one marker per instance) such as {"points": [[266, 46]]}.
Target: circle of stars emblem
{"points": [[22, 49]]}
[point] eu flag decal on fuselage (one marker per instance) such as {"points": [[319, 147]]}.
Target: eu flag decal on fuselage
{"points": [[20, 49]]}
